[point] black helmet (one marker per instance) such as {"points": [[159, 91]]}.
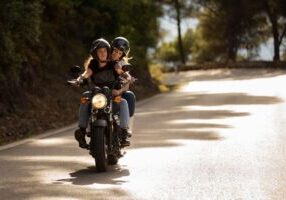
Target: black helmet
{"points": [[97, 44], [122, 44]]}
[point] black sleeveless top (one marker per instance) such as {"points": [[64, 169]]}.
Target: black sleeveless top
{"points": [[103, 76]]}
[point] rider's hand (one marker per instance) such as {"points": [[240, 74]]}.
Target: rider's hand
{"points": [[76, 82], [80, 79], [127, 76], [115, 92]]}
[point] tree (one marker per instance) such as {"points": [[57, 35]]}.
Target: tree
{"points": [[20, 31], [229, 26], [167, 52], [276, 13], [178, 9]]}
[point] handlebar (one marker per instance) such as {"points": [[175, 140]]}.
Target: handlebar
{"points": [[73, 82]]}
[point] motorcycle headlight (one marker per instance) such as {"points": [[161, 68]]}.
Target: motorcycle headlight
{"points": [[99, 101]]}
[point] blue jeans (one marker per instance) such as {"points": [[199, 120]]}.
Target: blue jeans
{"points": [[131, 100], [84, 110], [124, 114]]}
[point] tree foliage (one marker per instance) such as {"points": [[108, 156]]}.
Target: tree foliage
{"points": [[168, 51], [20, 32], [41, 39], [241, 25], [178, 10], [228, 26], [276, 15]]}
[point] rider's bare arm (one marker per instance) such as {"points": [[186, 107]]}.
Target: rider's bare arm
{"points": [[86, 74]]}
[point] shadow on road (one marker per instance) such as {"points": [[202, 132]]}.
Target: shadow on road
{"points": [[162, 128], [89, 176], [171, 137]]}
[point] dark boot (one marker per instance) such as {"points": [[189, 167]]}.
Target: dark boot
{"points": [[79, 135], [129, 133], [124, 138]]}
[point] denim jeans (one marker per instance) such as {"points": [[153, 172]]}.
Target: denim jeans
{"points": [[84, 110], [124, 114], [131, 100]]}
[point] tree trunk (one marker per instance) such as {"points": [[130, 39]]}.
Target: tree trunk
{"points": [[275, 33], [274, 23], [180, 43], [232, 55]]}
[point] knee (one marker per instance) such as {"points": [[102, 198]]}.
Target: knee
{"points": [[129, 96]]}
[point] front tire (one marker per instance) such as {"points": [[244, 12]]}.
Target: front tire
{"points": [[100, 149]]}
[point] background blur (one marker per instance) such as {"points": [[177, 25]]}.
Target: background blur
{"points": [[41, 39]]}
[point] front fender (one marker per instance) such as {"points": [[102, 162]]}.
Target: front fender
{"points": [[100, 123]]}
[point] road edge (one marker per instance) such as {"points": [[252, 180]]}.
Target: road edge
{"points": [[43, 135]]}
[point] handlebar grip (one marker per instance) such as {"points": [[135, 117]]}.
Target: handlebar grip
{"points": [[73, 82]]}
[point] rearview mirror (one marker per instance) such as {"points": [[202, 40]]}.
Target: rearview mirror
{"points": [[75, 71]]}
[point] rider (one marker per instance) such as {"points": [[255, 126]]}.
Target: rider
{"points": [[120, 49], [102, 73]]}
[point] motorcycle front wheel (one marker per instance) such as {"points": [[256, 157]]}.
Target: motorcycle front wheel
{"points": [[100, 149]]}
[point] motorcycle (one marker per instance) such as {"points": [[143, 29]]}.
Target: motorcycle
{"points": [[105, 133]]}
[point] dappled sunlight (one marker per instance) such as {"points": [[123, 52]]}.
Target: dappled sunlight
{"points": [[48, 176], [59, 172], [52, 142], [218, 107]]}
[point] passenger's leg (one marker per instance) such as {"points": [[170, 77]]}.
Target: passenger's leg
{"points": [[131, 100], [124, 119]]}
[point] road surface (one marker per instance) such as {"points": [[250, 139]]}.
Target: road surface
{"points": [[221, 135]]}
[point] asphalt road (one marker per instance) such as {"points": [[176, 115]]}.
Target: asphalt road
{"points": [[221, 135]]}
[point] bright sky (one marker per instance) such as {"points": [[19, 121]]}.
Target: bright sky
{"points": [[169, 25]]}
